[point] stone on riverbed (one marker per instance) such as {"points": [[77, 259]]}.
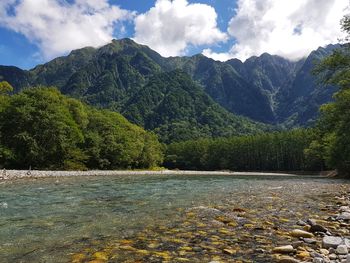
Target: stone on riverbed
{"points": [[310, 240], [286, 259], [318, 228], [344, 216], [284, 249], [331, 241], [300, 233], [342, 249]]}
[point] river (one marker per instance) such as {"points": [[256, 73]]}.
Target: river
{"points": [[155, 218]]}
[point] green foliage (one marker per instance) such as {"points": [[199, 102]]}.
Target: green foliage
{"points": [[333, 128], [5, 88], [44, 129], [283, 151]]}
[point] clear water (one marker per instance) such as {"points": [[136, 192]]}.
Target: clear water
{"points": [[52, 220]]}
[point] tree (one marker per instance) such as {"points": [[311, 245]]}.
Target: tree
{"points": [[5, 88], [333, 138], [42, 128]]}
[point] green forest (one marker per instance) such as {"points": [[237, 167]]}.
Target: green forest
{"points": [[43, 129], [279, 151]]}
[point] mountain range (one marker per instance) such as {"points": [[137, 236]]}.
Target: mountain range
{"points": [[185, 97]]}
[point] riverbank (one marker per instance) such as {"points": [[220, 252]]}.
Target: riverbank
{"points": [[21, 174]]}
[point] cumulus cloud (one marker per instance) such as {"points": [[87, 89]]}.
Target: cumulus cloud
{"points": [[290, 28], [57, 26], [170, 27]]}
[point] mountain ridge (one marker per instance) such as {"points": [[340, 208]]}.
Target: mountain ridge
{"points": [[266, 88]]}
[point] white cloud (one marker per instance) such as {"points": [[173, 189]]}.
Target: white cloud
{"points": [[170, 27], [289, 28], [58, 27], [216, 56]]}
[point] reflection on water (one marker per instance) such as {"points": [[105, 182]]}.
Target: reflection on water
{"points": [[152, 218]]}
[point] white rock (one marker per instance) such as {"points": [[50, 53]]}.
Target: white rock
{"points": [[347, 242], [344, 209], [342, 250], [331, 241], [318, 260], [344, 216]]}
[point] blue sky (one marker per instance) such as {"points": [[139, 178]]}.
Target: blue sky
{"points": [[36, 31]]}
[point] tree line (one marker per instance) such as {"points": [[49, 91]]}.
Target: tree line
{"points": [[278, 151]]}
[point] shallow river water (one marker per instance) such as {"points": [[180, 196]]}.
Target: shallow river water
{"points": [[155, 218]]}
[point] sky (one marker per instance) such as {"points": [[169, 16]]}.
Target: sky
{"points": [[35, 31]]}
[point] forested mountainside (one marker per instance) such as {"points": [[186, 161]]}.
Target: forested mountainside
{"points": [[145, 87]]}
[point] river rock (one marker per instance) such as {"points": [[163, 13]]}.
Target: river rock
{"points": [[310, 240], [297, 244], [347, 242], [318, 260], [301, 223], [331, 241], [286, 259], [344, 208], [344, 216], [311, 222], [318, 228], [342, 250], [284, 249], [300, 233], [324, 251]]}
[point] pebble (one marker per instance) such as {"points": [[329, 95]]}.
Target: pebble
{"points": [[283, 249], [310, 240], [331, 241], [311, 222], [347, 242], [297, 244], [344, 209], [318, 228], [342, 249], [300, 233], [301, 223], [318, 260], [286, 259], [344, 216]]}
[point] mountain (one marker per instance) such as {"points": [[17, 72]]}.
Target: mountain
{"points": [[177, 108], [167, 95]]}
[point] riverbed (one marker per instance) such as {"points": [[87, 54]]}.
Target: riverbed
{"points": [[156, 217]]}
